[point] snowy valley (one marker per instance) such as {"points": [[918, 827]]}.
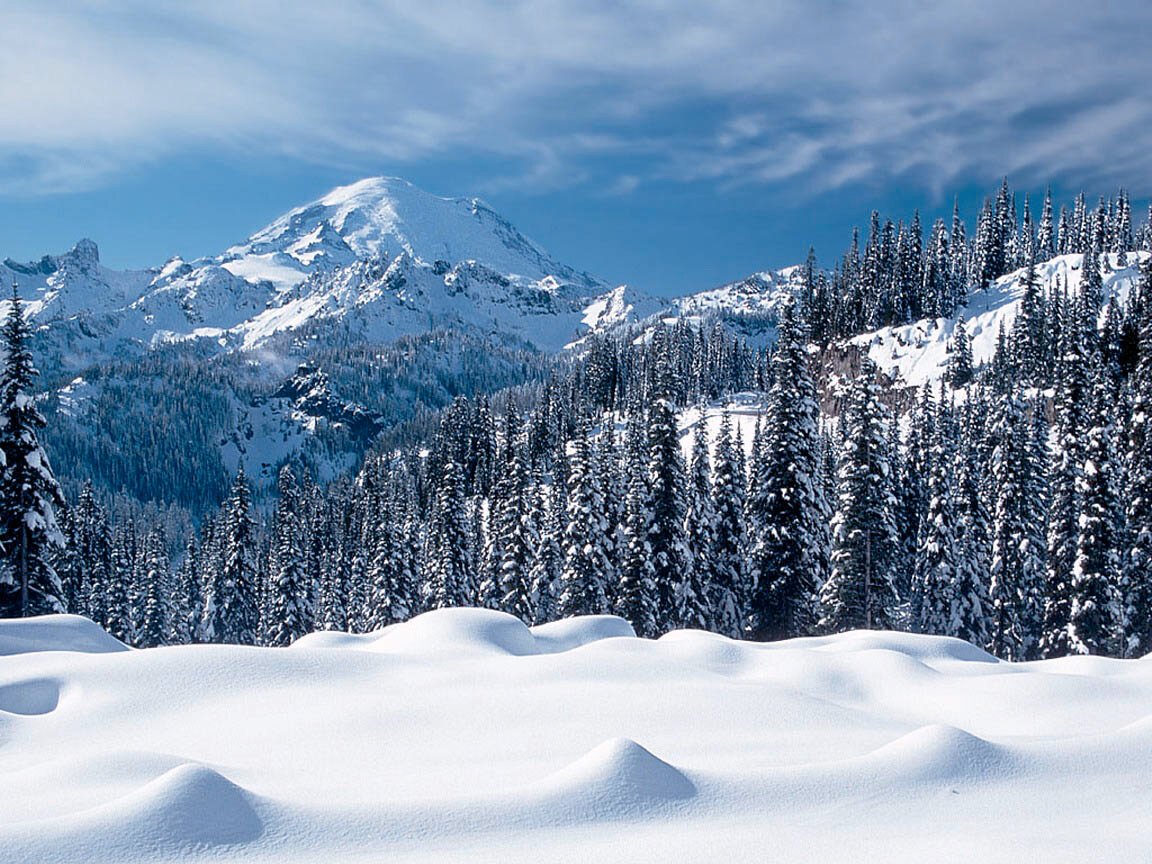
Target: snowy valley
{"points": [[464, 735]]}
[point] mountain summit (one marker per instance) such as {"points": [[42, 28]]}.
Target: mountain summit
{"points": [[384, 217]]}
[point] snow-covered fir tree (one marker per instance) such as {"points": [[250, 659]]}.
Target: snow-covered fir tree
{"points": [[230, 611], [29, 494], [290, 613], [860, 590], [788, 513]]}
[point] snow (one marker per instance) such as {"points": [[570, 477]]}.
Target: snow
{"points": [[54, 633], [745, 411], [465, 736], [266, 268], [918, 353]]}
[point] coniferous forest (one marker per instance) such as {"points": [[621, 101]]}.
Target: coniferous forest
{"points": [[1008, 504]]}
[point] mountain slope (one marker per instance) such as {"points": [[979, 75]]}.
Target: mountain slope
{"points": [[917, 354]]}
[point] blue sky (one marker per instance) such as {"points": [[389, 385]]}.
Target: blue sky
{"points": [[672, 145]]}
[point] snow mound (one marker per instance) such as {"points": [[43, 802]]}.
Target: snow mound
{"points": [[192, 805], [188, 810], [618, 778], [939, 752], [458, 631], [336, 640], [55, 633], [573, 633], [470, 631], [30, 698], [925, 649]]}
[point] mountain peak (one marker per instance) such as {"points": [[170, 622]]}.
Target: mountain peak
{"points": [[383, 217]]}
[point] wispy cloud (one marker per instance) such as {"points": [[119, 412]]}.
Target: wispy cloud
{"points": [[720, 91]]}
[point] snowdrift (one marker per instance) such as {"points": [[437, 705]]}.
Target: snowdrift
{"points": [[465, 735]]}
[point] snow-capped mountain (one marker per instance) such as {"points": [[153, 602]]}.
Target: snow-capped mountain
{"points": [[379, 258]]}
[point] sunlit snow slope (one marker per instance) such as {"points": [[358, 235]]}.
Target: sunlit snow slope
{"points": [[917, 353], [465, 736]]}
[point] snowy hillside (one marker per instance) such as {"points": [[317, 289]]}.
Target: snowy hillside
{"points": [[464, 736], [918, 352]]}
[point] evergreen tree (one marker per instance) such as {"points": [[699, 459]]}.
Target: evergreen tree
{"points": [[960, 355], [970, 605], [729, 589], [289, 592], [1096, 572], [582, 590], [29, 493], [694, 609], [1017, 533], [677, 602], [157, 574], [935, 600], [230, 609], [788, 513], [449, 556], [636, 597], [1137, 563], [548, 560], [860, 590]]}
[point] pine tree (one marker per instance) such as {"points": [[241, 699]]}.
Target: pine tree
{"points": [[694, 609], [586, 542], [935, 598], [230, 608], [970, 605], [1045, 243], [729, 590], [188, 629], [960, 355], [1137, 563], [1017, 533], [449, 558], [548, 560], [29, 493], [1096, 572], [668, 544], [788, 513], [118, 619], [636, 597], [157, 575], [92, 547], [289, 596], [860, 590]]}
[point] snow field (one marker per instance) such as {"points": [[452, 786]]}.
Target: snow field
{"points": [[464, 735]]}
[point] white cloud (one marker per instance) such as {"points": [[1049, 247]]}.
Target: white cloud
{"points": [[723, 90]]}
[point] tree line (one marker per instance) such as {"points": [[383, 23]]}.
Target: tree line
{"points": [[1009, 506]]}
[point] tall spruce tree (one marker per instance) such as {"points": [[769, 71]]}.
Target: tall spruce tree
{"points": [[230, 612], [636, 597], [1017, 535], [29, 493], [1096, 573], [677, 602], [728, 591], [586, 542], [289, 595], [449, 556], [860, 591], [158, 603], [788, 514], [1137, 563]]}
